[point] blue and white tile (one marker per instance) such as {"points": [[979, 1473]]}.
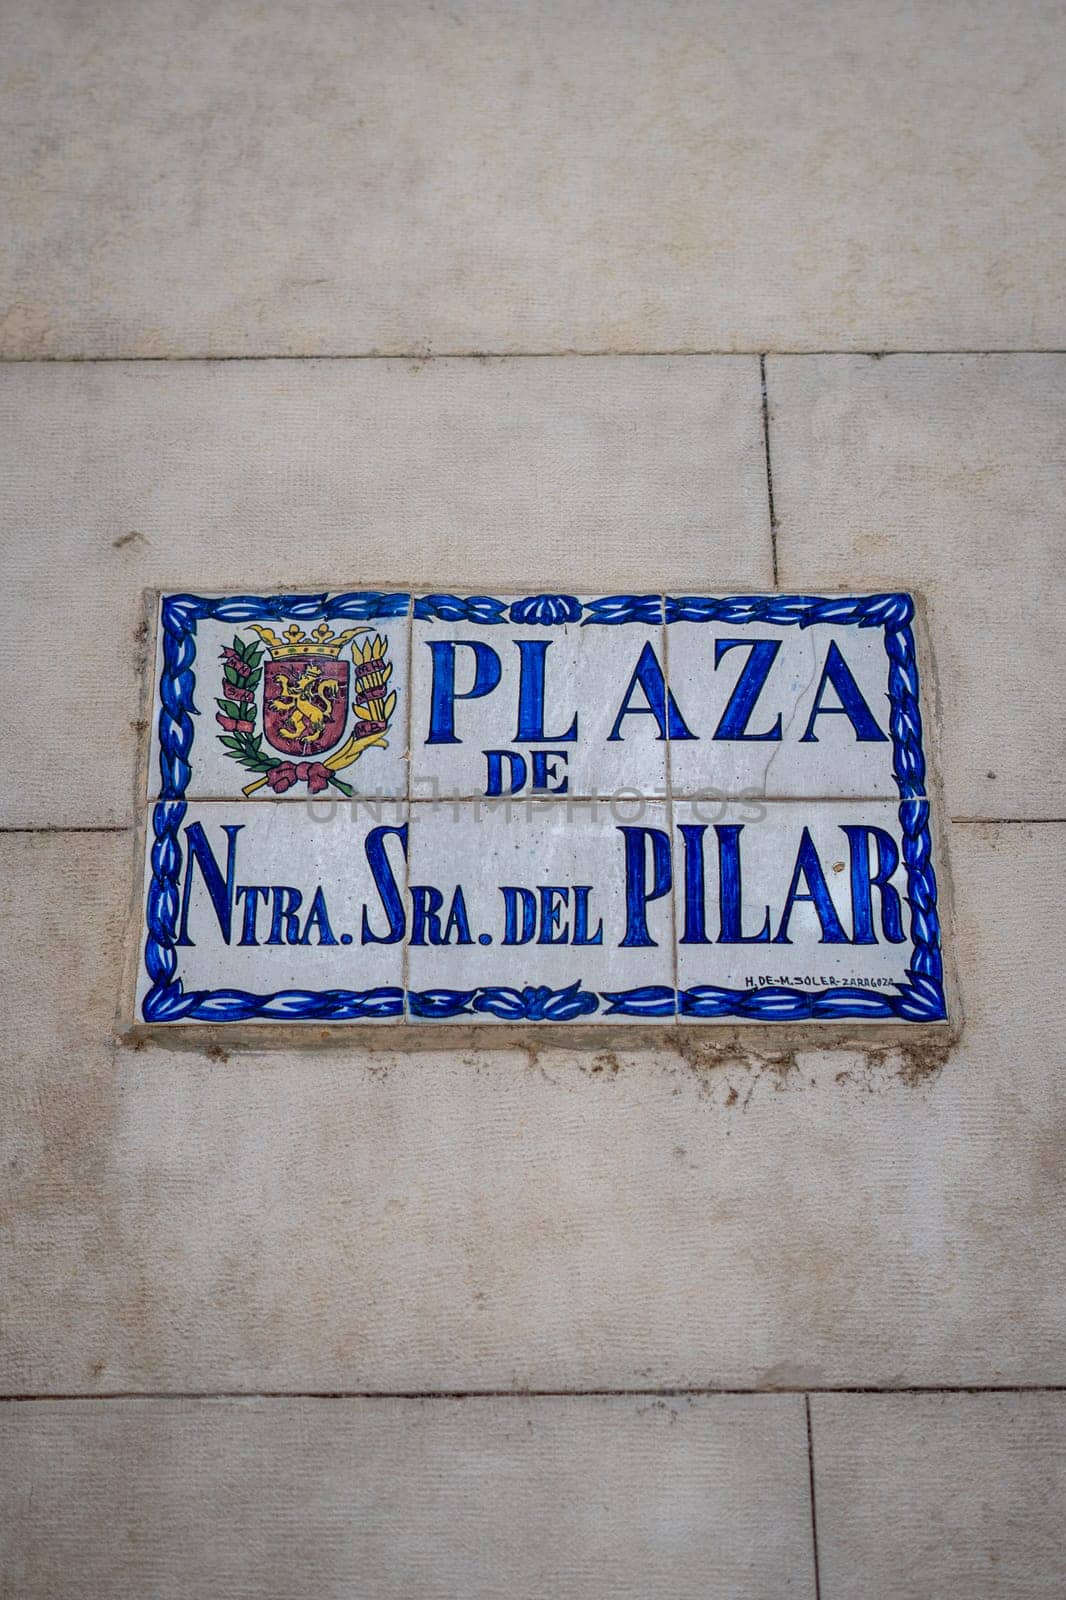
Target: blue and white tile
{"points": [[804, 898], [550, 911], [780, 712], [273, 912], [266, 722], [541, 694]]}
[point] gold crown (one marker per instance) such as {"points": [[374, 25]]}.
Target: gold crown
{"points": [[321, 641]]}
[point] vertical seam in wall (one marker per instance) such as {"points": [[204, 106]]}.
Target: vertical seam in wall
{"points": [[814, 1503], [769, 466]]}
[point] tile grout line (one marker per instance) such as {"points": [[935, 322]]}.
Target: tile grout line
{"points": [[813, 1499], [769, 468], [409, 817], [670, 820]]}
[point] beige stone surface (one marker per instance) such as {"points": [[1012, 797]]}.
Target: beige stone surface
{"points": [[957, 1496], [593, 474], [412, 1499], [944, 474], [493, 179], [333, 178], [341, 1219]]}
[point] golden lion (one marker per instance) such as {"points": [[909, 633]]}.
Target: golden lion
{"points": [[308, 704]]}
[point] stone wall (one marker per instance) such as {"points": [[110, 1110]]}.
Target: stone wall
{"points": [[515, 293]]}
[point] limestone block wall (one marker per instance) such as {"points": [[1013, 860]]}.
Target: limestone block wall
{"points": [[587, 294]]}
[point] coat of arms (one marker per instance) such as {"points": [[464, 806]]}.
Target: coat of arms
{"points": [[305, 704]]}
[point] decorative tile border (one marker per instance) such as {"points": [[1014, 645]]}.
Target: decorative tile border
{"points": [[543, 610], [920, 999]]}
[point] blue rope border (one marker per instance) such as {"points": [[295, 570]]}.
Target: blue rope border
{"points": [[921, 999], [167, 999], [543, 610]]}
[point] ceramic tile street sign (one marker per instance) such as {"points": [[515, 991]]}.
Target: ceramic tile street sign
{"points": [[404, 808]]}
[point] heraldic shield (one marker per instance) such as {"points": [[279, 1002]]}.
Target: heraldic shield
{"points": [[304, 688], [305, 704]]}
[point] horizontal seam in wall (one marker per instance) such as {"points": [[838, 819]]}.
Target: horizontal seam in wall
{"points": [[997, 822], [514, 355], [682, 1392], [127, 827], [103, 827]]}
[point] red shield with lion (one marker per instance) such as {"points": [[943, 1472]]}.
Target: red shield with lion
{"points": [[305, 704]]}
